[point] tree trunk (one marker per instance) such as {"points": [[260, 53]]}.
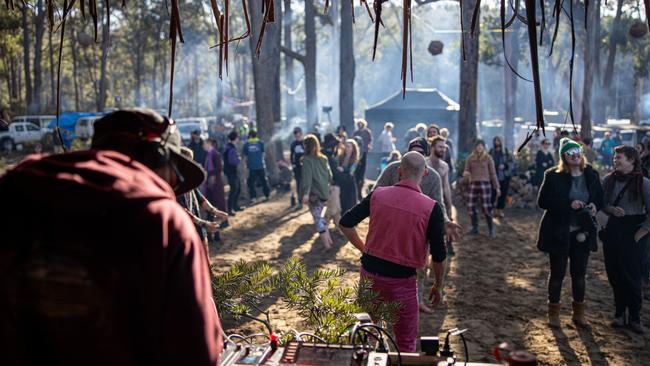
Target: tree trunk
{"points": [[26, 59], [266, 70], [139, 56], [15, 89], [590, 50], [39, 30], [468, 84], [346, 67], [290, 100], [75, 71], [638, 92], [154, 82], [52, 102], [605, 97], [101, 102], [512, 51], [310, 63]]}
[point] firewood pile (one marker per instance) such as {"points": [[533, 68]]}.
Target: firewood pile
{"points": [[521, 194]]}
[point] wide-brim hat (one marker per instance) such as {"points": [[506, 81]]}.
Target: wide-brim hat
{"points": [[192, 173], [118, 128]]}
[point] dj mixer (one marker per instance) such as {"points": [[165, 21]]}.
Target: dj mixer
{"points": [[321, 354]]}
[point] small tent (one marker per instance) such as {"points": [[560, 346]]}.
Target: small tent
{"points": [[420, 105]]}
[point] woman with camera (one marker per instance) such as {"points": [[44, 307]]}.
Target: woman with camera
{"points": [[627, 202], [570, 194]]}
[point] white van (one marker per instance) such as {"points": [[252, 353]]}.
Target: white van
{"points": [[85, 127]]}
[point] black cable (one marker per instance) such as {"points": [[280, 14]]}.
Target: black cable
{"points": [[466, 349], [238, 336], [257, 335], [392, 340], [313, 336]]}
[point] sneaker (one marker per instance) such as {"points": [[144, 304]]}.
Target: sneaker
{"points": [[473, 231], [493, 232], [299, 207], [618, 322], [253, 201], [232, 213], [637, 327]]}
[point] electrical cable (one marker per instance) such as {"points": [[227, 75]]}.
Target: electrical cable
{"points": [[313, 336], [258, 335], [238, 336], [390, 337], [223, 334], [466, 349]]}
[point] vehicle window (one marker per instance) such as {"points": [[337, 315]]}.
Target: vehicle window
{"points": [[188, 127], [20, 129], [32, 128]]}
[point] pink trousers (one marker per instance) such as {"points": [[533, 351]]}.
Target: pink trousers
{"points": [[404, 291]]}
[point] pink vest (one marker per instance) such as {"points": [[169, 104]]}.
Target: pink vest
{"points": [[399, 216]]}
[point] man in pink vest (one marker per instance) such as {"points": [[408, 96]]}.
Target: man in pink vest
{"points": [[405, 227]]}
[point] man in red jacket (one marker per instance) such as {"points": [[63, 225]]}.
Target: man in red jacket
{"points": [[405, 227], [98, 263]]}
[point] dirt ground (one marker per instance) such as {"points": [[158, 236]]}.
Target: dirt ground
{"points": [[496, 288]]}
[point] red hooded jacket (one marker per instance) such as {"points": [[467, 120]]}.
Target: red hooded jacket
{"points": [[100, 266]]}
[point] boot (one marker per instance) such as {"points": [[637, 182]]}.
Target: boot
{"points": [[579, 314], [554, 314], [474, 230], [491, 229]]}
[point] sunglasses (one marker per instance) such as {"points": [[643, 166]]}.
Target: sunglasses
{"points": [[573, 153]]}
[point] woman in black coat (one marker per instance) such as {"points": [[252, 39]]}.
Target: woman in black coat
{"points": [[571, 194]]}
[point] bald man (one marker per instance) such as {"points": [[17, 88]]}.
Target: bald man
{"points": [[405, 227]]}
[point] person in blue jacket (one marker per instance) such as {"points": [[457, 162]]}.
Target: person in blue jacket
{"points": [[253, 151]]}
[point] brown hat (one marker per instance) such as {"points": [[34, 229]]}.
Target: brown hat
{"points": [[122, 130]]}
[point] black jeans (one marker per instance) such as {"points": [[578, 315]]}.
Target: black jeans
{"points": [[235, 189], [360, 175], [646, 261], [624, 263], [297, 175], [504, 185], [577, 257], [253, 177]]}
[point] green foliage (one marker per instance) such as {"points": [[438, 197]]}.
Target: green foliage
{"points": [[240, 290], [326, 306], [460, 162]]}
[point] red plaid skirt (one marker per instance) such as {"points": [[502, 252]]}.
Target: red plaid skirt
{"points": [[480, 191]]}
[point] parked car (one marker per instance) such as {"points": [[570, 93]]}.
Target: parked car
{"points": [[203, 122], [85, 127], [39, 120], [19, 133], [188, 125], [186, 130]]}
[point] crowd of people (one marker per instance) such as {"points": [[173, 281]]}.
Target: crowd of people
{"points": [[169, 201], [571, 194]]}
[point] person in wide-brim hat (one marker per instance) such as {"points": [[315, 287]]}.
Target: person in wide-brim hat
{"points": [[151, 139]]}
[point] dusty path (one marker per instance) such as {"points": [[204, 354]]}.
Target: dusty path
{"points": [[495, 288]]}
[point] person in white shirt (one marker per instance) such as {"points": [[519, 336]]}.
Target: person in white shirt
{"points": [[386, 144]]}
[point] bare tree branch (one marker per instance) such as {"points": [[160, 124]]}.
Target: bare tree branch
{"points": [[424, 2], [293, 54]]}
